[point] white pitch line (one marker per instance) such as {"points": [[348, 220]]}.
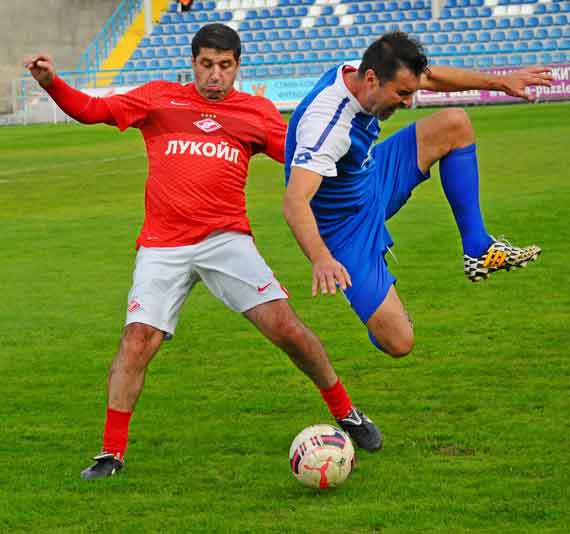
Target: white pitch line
{"points": [[29, 170]]}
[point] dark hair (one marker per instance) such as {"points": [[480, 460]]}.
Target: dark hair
{"points": [[391, 52], [218, 36]]}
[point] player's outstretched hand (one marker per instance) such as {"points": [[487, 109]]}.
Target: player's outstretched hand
{"points": [[41, 67], [327, 273], [516, 82]]}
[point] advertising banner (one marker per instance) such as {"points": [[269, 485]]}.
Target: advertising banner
{"points": [[284, 93], [287, 93]]}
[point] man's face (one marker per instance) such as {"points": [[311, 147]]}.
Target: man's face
{"points": [[384, 98], [215, 72]]}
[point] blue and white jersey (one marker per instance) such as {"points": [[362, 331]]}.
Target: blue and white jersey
{"points": [[331, 134]]}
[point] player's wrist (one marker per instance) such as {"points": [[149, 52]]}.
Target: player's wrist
{"points": [[47, 82]]}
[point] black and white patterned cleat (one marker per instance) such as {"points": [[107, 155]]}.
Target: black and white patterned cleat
{"points": [[501, 255]]}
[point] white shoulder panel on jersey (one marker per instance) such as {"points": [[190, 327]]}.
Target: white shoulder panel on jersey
{"points": [[323, 132]]}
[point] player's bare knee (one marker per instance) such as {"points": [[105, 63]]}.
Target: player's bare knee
{"points": [[459, 127], [138, 345], [402, 346]]}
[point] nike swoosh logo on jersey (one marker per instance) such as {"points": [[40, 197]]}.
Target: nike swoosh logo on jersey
{"points": [[174, 103], [261, 289]]}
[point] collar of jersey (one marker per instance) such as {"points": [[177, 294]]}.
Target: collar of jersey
{"points": [[195, 93]]}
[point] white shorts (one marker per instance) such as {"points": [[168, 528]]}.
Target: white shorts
{"points": [[227, 262]]}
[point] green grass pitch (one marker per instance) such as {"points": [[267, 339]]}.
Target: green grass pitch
{"points": [[476, 419]]}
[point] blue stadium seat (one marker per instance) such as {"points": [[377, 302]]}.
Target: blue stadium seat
{"points": [[550, 45], [434, 26], [271, 58], [500, 61], [479, 48], [530, 59], [174, 51], [498, 36], [339, 31], [292, 46], [515, 60], [545, 59], [518, 22]]}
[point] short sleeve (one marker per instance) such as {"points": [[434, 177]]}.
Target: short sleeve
{"points": [[320, 142], [132, 108], [275, 129]]}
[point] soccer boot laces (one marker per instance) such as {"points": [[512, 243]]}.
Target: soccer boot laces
{"points": [[362, 430], [500, 255], [106, 465]]}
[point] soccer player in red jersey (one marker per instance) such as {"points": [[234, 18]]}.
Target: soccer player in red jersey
{"points": [[199, 140]]}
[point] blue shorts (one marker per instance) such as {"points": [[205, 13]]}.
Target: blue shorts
{"points": [[397, 174]]}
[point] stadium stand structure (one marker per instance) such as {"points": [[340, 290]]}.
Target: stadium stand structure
{"points": [[285, 38]]}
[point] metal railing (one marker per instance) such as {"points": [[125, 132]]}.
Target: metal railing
{"points": [[109, 35]]}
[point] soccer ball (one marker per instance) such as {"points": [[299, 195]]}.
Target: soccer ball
{"points": [[321, 456]]}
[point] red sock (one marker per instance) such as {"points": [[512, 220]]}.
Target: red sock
{"points": [[337, 400], [116, 432]]}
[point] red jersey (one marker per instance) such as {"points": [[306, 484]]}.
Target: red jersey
{"points": [[198, 156]]}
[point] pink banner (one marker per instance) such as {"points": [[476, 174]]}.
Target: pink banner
{"points": [[560, 90]]}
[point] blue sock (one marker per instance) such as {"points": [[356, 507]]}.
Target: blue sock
{"points": [[460, 181]]}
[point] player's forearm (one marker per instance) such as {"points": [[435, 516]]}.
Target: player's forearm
{"points": [[300, 218], [448, 79], [78, 105]]}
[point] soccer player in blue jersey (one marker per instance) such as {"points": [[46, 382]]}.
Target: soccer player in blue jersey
{"points": [[341, 188]]}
